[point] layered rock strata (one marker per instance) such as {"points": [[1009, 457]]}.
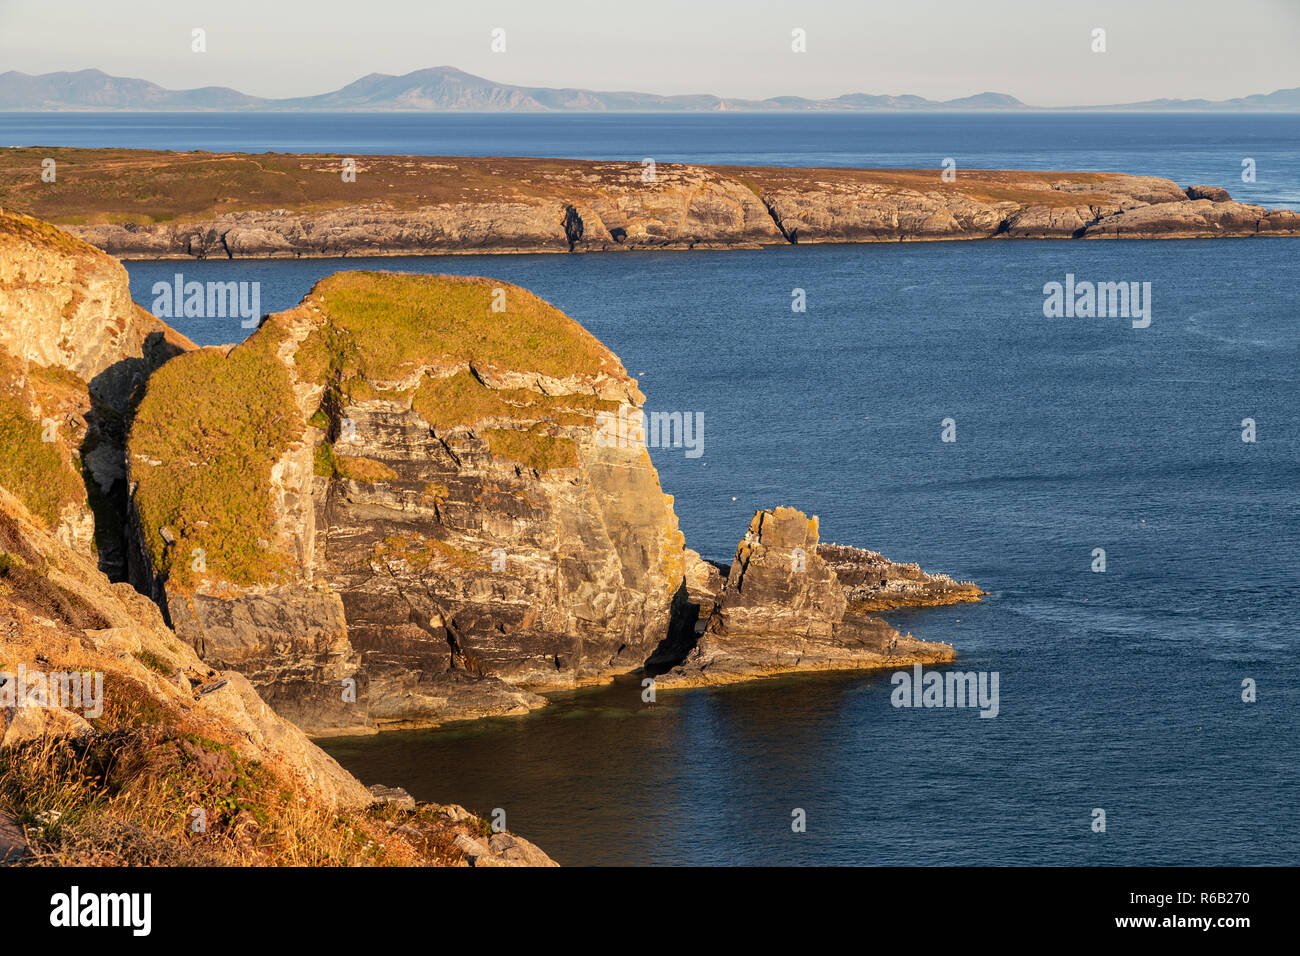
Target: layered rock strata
{"points": [[790, 604], [441, 530]]}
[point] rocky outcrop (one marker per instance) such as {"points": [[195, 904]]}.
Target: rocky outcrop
{"points": [[59, 612], [872, 582], [501, 849], [1189, 220], [408, 500], [119, 744], [784, 608], [388, 512], [446, 527], [74, 348], [881, 205], [64, 304], [277, 205], [168, 761]]}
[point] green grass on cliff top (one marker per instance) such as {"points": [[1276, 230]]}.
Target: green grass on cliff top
{"points": [[33, 470], [382, 326], [217, 423], [30, 230]]}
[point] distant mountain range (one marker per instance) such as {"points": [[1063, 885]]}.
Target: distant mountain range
{"points": [[445, 88]]}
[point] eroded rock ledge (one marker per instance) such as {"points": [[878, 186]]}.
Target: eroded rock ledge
{"points": [[790, 604], [160, 205]]}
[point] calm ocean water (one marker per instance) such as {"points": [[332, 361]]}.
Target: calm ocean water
{"points": [[1119, 690]]}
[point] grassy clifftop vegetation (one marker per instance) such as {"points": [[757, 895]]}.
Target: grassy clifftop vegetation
{"points": [[212, 424], [44, 474], [382, 326], [204, 440]]}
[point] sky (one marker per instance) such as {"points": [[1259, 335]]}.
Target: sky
{"points": [[1037, 50]]}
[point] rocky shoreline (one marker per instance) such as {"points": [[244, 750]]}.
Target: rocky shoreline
{"points": [[398, 504], [789, 605], [119, 744], [304, 206], [446, 531]]}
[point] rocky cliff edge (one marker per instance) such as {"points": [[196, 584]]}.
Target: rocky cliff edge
{"points": [[398, 504]]}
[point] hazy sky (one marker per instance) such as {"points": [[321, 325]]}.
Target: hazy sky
{"points": [[1037, 50]]}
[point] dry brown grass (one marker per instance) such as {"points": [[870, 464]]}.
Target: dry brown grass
{"points": [[130, 798], [152, 186], [984, 185]]}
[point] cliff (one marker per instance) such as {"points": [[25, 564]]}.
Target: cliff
{"points": [[397, 505], [397, 485], [116, 740], [150, 204], [73, 350], [168, 761]]}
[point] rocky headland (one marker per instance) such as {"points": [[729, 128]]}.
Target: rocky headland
{"points": [[119, 744], [789, 603], [394, 505], [162, 205]]}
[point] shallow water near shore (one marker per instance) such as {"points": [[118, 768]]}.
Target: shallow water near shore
{"points": [[1118, 690]]}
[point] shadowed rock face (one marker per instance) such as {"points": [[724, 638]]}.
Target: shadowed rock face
{"points": [[74, 348], [783, 608], [59, 614]]}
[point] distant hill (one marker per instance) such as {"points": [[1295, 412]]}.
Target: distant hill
{"points": [[96, 90], [1278, 101], [447, 89]]}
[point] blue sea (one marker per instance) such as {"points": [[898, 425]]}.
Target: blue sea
{"points": [[1120, 690]]}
